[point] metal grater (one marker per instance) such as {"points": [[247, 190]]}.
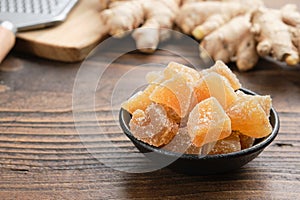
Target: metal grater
{"points": [[33, 14]]}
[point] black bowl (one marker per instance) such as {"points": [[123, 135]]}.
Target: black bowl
{"points": [[209, 164]]}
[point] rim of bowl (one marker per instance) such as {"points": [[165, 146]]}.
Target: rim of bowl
{"points": [[259, 146]]}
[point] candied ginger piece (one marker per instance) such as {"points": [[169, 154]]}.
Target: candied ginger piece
{"points": [[220, 68], [227, 145], [174, 116], [208, 122], [264, 101], [215, 85], [182, 143], [173, 69], [192, 149], [174, 93], [155, 77], [250, 115], [189, 74], [153, 125], [139, 101], [246, 141]]}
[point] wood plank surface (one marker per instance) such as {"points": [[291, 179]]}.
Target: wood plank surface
{"points": [[43, 157]]}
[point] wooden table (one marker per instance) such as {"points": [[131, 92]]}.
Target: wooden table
{"points": [[43, 157]]}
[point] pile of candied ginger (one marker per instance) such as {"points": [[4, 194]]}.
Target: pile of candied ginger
{"points": [[185, 110]]}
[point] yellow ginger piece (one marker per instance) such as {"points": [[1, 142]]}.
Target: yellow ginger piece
{"points": [[140, 100], [181, 143], [174, 89], [208, 122], [264, 101], [250, 115], [171, 88], [221, 68], [227, 145], [153, 125], [190, 75], [214, 85], [174, 93], [246, 141]]}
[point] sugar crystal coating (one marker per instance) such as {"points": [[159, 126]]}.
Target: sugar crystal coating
{"points": [[264, 101], [189, 74], [153, 125], [215, 85], [181, 143], [249, 115], [140, 100], [227, 145], [224, 71], [208, 122], [174, 93]]}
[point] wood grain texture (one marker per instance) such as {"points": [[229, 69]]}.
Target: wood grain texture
{"points": [[70, 41]]}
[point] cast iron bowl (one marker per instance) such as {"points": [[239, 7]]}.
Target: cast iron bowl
{"points": [[210, 164]]}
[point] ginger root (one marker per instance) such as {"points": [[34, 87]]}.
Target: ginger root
{"points": [[273, 36], [243, 30], [233, 42], [158, 19], [291, 17], [153, 16], [230, 30], [224, 28], [195, 13], [122, 16], [201, 18]]}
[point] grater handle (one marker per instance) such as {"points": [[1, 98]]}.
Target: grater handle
{"points": [[7, 38]]}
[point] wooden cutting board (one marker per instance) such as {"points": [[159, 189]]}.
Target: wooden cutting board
{"points": [[70, 41]]}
